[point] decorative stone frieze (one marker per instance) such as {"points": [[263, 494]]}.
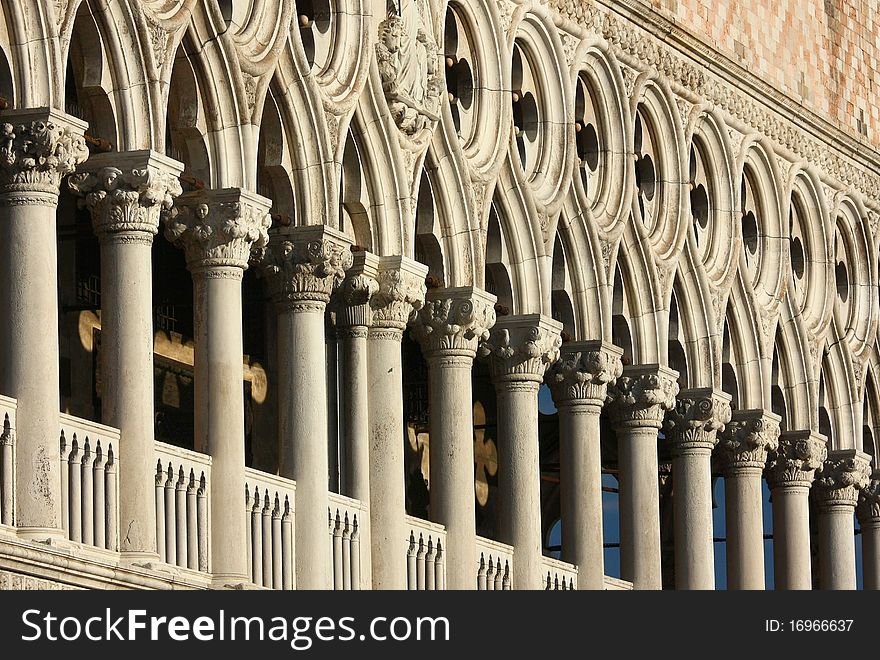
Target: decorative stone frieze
{"points": [[642, 395], [38, 148], [126, 192], [520, 348], [694, 422], [401, 293], [218, 228], [304, 265], [796, 458], [583, 373], [454, 321], [840, 477], [746, 440]]}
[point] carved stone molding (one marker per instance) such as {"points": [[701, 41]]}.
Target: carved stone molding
{"points": [[642, 395], [520, 348], [353, 299], [868, 509], [10, 581], [454, 321], [127, 195], [841, 476], [217, 228], [38, 147], [693, 424], [583, 372], [746, 440], [303, 265], [401, 292], [796, 458]]}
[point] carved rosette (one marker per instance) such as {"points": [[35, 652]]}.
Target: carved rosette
{"points": [[746, 440], [642, 395], [401, 293], [693, 424], [520, 348], [454, 321], [219, 228], [36, 152], [127, 200], [303, 267], [583, 373], [796, 458], [840, 478], [868, 509]]}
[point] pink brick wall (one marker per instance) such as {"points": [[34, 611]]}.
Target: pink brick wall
{"points": [[823, 53]]}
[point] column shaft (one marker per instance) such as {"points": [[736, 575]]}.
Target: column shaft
{"points": [[743, 506], [791, 538], [354, 420], [692, 506], [871, 554], [837, 550]]}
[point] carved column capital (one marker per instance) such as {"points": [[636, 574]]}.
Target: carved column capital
{"points": [[125, 192], [303, 265], [454, 321], [583, 372], [693, 424], [401, 293], [746, 440], [38, 147], [218, 228], [868, 509], [353, 313], [642, 395], [840, 477], [520, 348], [796, 458]]}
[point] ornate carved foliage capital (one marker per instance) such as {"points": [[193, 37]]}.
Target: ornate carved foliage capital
{"points": [[796, 458], [841, 476], [695, 420], [584, 371], [868, 509], [454, 320], [746, 440], [305, 266], [219, 228], [353, 298], [127, 200], [401, 292], [642, 395], [520, 348], [38, 152]]}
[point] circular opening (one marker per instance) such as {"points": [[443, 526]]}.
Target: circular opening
{"points": [[750, 233], [797, 257], [840, 275]]}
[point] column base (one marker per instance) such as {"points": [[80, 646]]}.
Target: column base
{"points": [[236, 582], [48, 535]]}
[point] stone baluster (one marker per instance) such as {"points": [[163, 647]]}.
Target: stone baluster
{"points": [[401, 292], [790, 472], [302, 266], [836, 490], [449, 328], [519, 350], [691, 429], [218, 229], [637, 403], [38, 147], [579, 383], [125, 193], [741, 455], [868, 512]]}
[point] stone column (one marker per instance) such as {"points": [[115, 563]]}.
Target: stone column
{"points": [[868, 511], [691, 429], [401, 291], [637, 402], [579, 383], [37, 148], [790, 471], [449, 328], [836, 490], [742, 456], [303, 265], [218, 229], [124, 193], [519, 350]]}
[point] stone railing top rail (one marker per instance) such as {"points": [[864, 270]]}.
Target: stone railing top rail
{"points": [[559, 565], [616, 584], [496, 548], [179, 453], [95, 431], [270, 481], [349, 503], [418, 525], [8, 404]]}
